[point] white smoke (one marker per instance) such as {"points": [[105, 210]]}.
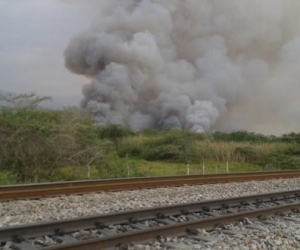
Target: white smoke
{"points": [[200, 65]]}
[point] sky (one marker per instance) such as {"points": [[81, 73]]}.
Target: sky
{"points": [[33, 36]]}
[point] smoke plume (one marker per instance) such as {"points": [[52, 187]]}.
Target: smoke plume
{"points": [[201, 65]]}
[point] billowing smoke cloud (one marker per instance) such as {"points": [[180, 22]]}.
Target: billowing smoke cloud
{"points": [[200, 65]]}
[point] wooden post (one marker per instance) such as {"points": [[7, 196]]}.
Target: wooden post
{"points": [[88, 175], [127, 167], [187, 169]]}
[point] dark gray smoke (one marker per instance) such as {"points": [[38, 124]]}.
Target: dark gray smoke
{"points": [[200, 65]]}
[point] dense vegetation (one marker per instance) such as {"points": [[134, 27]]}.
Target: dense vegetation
{"points": [[50, 145]]}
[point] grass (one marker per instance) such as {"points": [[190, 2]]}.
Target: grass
{"points": [[142, 168], [169, 168], [7, 178]]}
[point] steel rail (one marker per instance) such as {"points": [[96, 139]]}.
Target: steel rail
{"points": [[181, 229], [132, 217], [79, 187]]}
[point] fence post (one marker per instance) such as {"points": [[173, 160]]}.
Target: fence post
{"points": [[187, 169], [227, 167], [88, 174]]}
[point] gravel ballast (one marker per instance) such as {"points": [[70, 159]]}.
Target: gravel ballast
{"points": [[63, 207], [254, 235]]}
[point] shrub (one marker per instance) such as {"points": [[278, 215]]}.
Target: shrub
{"points": [[281, 161], [36, 142], [150, 132], [132, 146], [7, 178], [114, 132], [248, 154], [242, 136], [114, 167], [163, 152], [76, 173]]}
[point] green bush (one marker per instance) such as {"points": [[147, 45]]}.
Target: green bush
{"points": [[36, 142], [114, 167], [114, 132], [177, 137], [292, 150], [281, 161], [248, 153], [176, 146], [163, 152], [150, 132], [131, 150], [76, 173], [242, 136], [291, 138], [7, 178]]}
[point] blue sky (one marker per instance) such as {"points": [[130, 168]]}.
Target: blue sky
{"points": [[33, 36]]}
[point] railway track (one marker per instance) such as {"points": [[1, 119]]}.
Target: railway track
{"points": [[119, 230], [11, 192]]}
